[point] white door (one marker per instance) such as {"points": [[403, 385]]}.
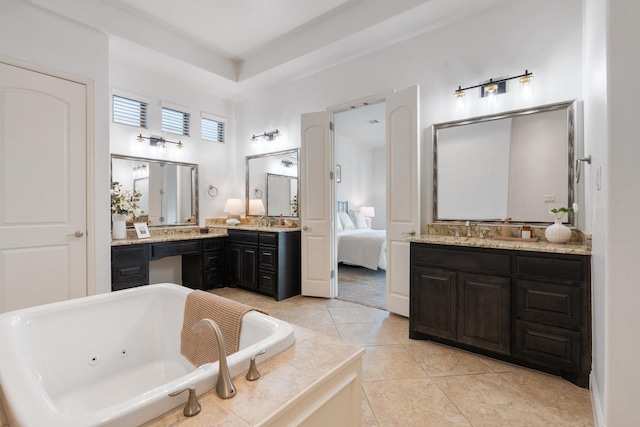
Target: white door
{"points": [[316, 201], [403, 192], [42, 189]]}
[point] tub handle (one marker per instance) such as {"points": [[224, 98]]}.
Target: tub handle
{"points": [[192, 407], [253, 373]]}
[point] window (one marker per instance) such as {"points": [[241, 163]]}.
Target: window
{"points": [[212, 129], [129, 111], [175, 121]]}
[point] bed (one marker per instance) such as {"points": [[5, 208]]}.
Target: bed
{"points": [[357, 243]]}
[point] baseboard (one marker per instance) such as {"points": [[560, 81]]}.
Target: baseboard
{"points": [[598, 418]]}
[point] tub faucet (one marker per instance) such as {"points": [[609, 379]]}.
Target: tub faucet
{"points": [[224, 387]]}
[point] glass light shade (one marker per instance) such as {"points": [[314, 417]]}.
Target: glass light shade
{"points": [[256, 207], [234, 206], [368, 211]]}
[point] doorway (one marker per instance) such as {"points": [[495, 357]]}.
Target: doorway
{"points": [[360, 151]]}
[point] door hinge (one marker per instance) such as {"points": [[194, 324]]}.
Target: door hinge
{"points": [[333, 274], [331, 175], [330, 125]]}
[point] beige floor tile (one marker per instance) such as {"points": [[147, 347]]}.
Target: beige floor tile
{"points": [[329, 330], [570, 404], [368, 418], [389, 362], [490, 400], [365, 334], [440, 360], [354, 314], [412, 402], [500, 366]]}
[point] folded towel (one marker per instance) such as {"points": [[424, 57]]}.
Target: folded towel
{"points": [[202, 347]]}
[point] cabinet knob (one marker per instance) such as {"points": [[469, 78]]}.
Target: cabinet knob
{"points": [[305, 228]]}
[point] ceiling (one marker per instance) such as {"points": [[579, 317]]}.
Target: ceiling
{"points": [[233, 48]]}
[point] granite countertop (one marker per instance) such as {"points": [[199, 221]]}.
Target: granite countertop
{"points": [[284, 377], [174, 234], [576, 248]]}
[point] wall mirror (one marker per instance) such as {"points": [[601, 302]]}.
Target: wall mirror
{"points": [[517, 164], [272, 184], [169, 189]]}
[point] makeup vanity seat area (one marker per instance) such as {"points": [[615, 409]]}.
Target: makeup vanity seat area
{"points": [[527, 308]]}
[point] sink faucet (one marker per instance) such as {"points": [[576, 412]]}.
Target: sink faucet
{"points": [[224, 387], [264, 221], [468, 229]]}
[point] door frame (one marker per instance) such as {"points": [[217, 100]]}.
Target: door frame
{"points": [[90, 217]]}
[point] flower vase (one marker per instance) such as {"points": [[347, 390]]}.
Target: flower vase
{"points": [[119, 230], [558, 232]]}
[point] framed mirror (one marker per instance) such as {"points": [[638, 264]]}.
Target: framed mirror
{"points": [[169, 190], [272, 184], [517, 165]]}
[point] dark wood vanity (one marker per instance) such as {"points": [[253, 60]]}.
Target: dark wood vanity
{"points": [[259, 261], [528, 308]]}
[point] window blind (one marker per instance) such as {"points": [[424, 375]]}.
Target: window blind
{"points": [[177, 122], [129, 111], [212, 130]]}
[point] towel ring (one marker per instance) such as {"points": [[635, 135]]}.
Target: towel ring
{"points": [[211, 187], [258, 193]]}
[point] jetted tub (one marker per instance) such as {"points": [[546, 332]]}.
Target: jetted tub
{"points": [[112, 359]]}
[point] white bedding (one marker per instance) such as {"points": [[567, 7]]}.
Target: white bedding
{"points": [[363, 247]]}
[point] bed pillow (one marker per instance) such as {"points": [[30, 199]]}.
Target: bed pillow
{"points": [[360, 222], [347, 224], [338, 223]]}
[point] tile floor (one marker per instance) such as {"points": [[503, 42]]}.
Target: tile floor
{"points": [[419, 383]]}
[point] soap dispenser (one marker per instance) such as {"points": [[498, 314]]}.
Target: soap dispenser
{"points": [[506, 228]]}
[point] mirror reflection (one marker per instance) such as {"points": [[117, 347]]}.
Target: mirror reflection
{"points": [[169, 189], [517, 164], [272, 184]]}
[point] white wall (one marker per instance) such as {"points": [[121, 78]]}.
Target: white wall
{"points": [[356, 162], [379, 183], [212, 158], [45, 42], [548, 42]]}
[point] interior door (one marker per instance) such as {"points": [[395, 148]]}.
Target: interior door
{"points": [[403, 192], [316, 201], [42, 188]]}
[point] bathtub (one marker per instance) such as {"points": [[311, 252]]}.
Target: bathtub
{"points": [[112, 359]]}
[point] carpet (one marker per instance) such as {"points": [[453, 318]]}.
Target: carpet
{"points": [[362, 286]]}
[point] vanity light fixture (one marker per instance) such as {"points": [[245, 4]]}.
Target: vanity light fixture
{"points": [[158, 141], [495, 87], [267, 136]]}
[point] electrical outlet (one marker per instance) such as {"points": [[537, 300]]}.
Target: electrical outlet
{"points": [[549, 198]]}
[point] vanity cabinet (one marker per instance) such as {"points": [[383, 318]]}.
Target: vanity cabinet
{"points": [[265, 262], [528, 308], [461, 297], [206, 270], [129, 266]]}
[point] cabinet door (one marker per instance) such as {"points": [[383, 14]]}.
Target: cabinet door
{"points": [[249, 267], [484, 311], [433, 302]]}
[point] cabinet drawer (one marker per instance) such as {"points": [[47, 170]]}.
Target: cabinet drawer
{"points": [[547, 345], [242, 236], [215, 244], [460, 259], [268, 258], [161, 250], [572, 269], [129, 254], [270, 239], [549, 303], [214, 279], [129, 276], [267, 282], [213, 259]]}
